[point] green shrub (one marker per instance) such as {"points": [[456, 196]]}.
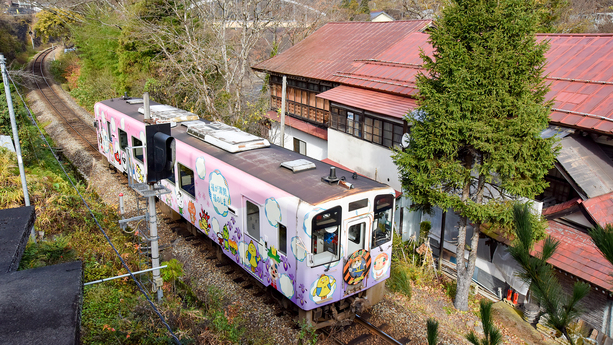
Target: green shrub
{"points": [[400, 279], [45, 253], [450, 289], [307, 334]]}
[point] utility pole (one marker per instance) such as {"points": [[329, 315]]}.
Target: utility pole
{"points": [[9, 101], [283, 111]]}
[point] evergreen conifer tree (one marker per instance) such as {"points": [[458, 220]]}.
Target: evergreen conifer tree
{"points": [[475, 139]]}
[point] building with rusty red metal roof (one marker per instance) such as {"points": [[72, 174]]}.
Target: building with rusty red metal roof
{"points": [[349, 86]]}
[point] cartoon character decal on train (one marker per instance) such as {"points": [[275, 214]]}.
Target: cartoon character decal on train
{"points": [[298, 248]]}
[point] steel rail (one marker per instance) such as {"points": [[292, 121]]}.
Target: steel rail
{"points": [[75, 121], [376, 331]]}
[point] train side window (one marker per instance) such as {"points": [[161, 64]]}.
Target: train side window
{"points": [[108, 128], [282, 238], [137, 152], [253, 220], [326, 230], [382, 225], [123, 139], [186, 180]]}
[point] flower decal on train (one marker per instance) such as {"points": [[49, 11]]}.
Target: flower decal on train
{"points": [[298, 248], [200, 168], [219, 193], [122, 124], [322, 289], [272, 211]]}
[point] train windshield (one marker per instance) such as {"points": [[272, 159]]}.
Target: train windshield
{"points": [[325, 241], [382, 225]]}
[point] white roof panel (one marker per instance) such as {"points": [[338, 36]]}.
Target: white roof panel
{"points": [[225, 137]]}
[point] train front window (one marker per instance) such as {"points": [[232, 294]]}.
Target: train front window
{"points": [[325, 237], [382, 225]]}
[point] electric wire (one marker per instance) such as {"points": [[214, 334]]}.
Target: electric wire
{"points": [[96, 220]]}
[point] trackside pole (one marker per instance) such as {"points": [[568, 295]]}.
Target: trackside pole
{"points": [[9, 101], [155, 253]]}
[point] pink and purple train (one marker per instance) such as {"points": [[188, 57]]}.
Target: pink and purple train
{"points": [[323, 242]]}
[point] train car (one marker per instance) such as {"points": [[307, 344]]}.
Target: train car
{"points": [[322, 240]]}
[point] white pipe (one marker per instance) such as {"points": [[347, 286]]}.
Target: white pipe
{"points": [[124, 275], [146, 101]]}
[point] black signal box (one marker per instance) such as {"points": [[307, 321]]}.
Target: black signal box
{"points": [[160, 152]]}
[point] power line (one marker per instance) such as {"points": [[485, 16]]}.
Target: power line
{"points": [[96, 220]]}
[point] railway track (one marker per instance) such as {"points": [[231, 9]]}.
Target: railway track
{"points": [[361, 332], [76, 126]]}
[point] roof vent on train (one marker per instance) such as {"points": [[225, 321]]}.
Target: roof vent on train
{"points": [[134, 100], [298, 165], [225, 137], [167, 114]]}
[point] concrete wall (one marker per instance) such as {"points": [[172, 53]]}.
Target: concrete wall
{"points": [[368, 159], [315, 147]]}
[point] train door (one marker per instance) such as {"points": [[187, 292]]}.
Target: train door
{"points": [[381, 238], [357, 255]]}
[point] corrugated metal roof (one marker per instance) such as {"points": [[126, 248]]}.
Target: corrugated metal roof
{"points": [[377, 102], [577, 255], [580, 70], [335, 46], [393, 70], [385, 57], [587, 164]]}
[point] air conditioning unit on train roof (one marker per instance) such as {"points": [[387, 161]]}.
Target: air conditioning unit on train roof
{"points": [[167, 114], [225, 137]]}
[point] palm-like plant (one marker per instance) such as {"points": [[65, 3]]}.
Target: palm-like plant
{"points": [[561, 309], [603, 239], [432, 329], [492, 334]]}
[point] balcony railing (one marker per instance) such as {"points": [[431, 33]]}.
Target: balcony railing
{"points": [[302, 111]]}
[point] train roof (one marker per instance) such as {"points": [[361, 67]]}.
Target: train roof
{"points": [[265, 164]]}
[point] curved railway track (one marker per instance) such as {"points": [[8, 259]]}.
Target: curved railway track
{"points": [[369, 333], [76, 126]]}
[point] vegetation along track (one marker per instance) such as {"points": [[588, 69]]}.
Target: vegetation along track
{"points": [[361, 332], [75, 125]]}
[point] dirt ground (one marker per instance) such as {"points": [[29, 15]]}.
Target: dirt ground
{"points": [[430, 301]]}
